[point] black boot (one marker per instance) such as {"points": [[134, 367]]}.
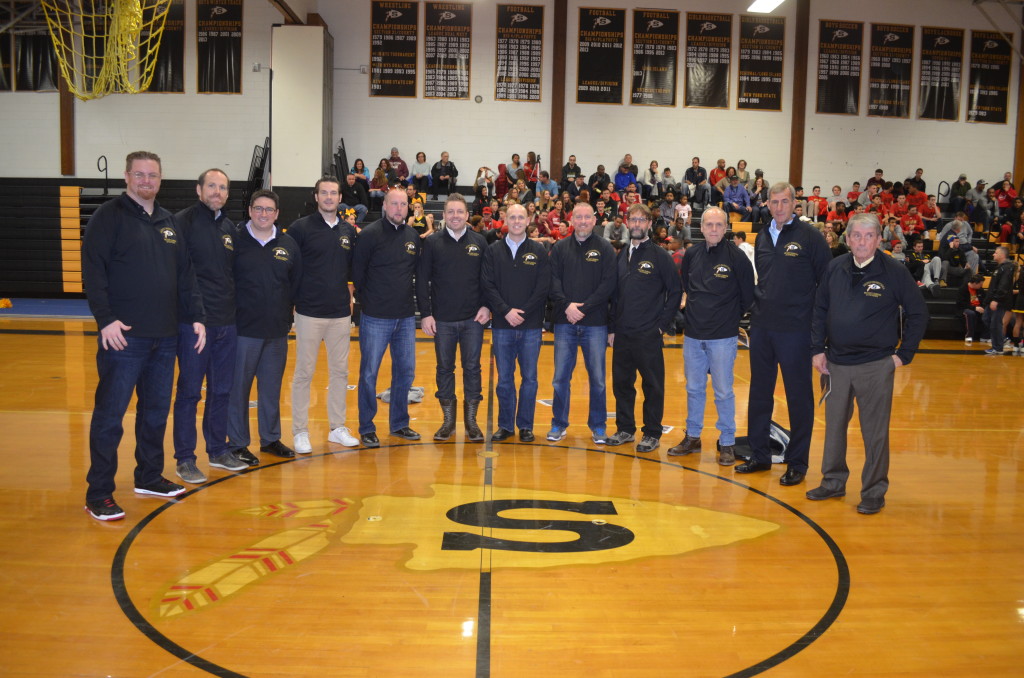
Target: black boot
{"points": [[473, 432], [448, 425]]}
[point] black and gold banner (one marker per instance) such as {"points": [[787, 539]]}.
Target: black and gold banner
{"points": [[987, 93], [447, 47], [393, 34], [708, 53], [942, 57], [219, 46], [840, 48], [520, 46], [762, 46], [169, 73], [655, 57], [890, 72], [602, 36]]}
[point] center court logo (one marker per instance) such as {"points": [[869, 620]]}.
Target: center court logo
{"points": [[524, 529]]}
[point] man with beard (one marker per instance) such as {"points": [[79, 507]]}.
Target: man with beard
{"points": [[643, 309], [453, 311]]}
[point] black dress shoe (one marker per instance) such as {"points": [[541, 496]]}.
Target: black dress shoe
{"points": [[245, 456], [278, 449], [406, 433], [501, 434], [754, 466], [369, 440], [526, 435], [870, 506], [792, 477], [820, 493]]}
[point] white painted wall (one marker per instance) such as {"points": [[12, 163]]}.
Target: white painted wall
{"points": [[298, 62]]}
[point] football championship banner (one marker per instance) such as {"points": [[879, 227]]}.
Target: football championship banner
{"points": [[393, 35], [219, 46], [655, 57], [892, 62], [942, 56], [520, 47], [708, 54], [602, 36], [762, 47], [447, 46], [989, 78], [840, 48]]}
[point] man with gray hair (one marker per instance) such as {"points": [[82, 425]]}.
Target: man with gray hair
{"points": [[856, 340]]}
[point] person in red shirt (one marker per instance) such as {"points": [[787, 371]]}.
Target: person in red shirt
{"points": [[854, 194], [899, 208], [554, 218], [1005, 194], [930, 214], [912, 225], [816, 205], [916, 197], [717, 173], [839, 213]]}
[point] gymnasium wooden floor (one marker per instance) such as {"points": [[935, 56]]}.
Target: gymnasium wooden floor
{"points": [[603, 563]]}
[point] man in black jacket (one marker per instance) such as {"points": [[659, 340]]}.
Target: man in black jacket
{"points": [[136, 271], [453, 311], [209, 237], [268, 267], [999, 298], [444, 175], [354, 197], [643, 309], [516, 279], [718, 280], [856, 341]]}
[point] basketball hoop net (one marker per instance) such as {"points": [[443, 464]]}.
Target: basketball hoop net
{"points": [[106, 46]]}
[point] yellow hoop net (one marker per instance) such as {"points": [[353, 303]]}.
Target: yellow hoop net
{"points": [[106, 46]]}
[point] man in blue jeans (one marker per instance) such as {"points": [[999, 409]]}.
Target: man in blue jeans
{"points": [[453, 311], [718, 280], [516, 278], [384, 263], [136, 271], [582, 284], [210, 238]]}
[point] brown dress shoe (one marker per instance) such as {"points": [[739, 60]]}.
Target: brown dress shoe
{"points": [[688, 446], [726, 455]]}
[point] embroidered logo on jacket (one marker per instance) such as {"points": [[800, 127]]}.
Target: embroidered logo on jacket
{"points": [[281, 254], [529, 259], [473, 250], [645, 267], [792, 249], [721, 271], [410, 248], [345, 242], [170, 237], [592, 256], [229, 244], [873, 288]]}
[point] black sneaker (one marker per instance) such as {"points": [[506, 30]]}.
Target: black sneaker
{"points": [[104, 509], [161, 488]]}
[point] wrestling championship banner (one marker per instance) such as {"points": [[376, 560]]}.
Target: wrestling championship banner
{"points": [[840, 49], [393, 35], [602, 36], [447, 47]]}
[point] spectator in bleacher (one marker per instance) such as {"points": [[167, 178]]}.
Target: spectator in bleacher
{"points": [[628, 161], [958, 193], [1005, 193], [670, 183], [484, 181], [800, 200], [917, 263], [443, 174], [576, 187], [525, 194], [398, 165], [512, 169], [604, 214], [898, 207], [916, 181], [838, 213], [359, 169], [736, 198], [798, 214], [739, 238], [419, 173], [599, 180], [1013, 223], [616, 233], [999, 298], [680, 229], [379, 183], [867, 197], [897, 253], [684, 211], [853, 195], [817, 206], [570, 170], [979, 207], [718, 188], [554, 215], [953, 263], [916, 198], [668, 205], [546, 183], [970, 304], [962, 230], [354, 197], [836, 197], [877, 180], [624, 177], [696, 180], [889, 196], [531, 169], [422, 223], [759, 212], [893, 234], [912, 224], [650, 182], [717, 173], [930, 214], [746, 179]]}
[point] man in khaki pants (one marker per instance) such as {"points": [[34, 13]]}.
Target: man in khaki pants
{"points": [[323, 310]]}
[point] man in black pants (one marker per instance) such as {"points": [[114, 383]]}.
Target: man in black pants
{"points": [[136, 271], [854, 337], [453, 311], [791, 258], [643, 308]]}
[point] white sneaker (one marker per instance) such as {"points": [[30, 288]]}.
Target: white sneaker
{"points": [[302, 445], [968, 340], [342, 436]]}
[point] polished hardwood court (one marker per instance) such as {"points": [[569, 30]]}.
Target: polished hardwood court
{"points": [[512, 560]]}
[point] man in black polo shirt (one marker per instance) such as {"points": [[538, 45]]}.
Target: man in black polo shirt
{"points": [[323, 311], [453, 311], [855, 339], [643, 308], [268, 267], [209, 236], [385, 260], [136, 271]]}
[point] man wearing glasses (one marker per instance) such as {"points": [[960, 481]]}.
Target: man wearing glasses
{"points": [[643, 309], [268, 267], [138, 278]]}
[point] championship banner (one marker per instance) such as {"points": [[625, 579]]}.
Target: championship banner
{"points": [[169, 72], [762, 46], [393, 33], [840, 47], [219, 46], [449, 30], [990, 78], [655, 56], [942, 56], [602, 34], [892, 63], [708, 53], [520, 62]]}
